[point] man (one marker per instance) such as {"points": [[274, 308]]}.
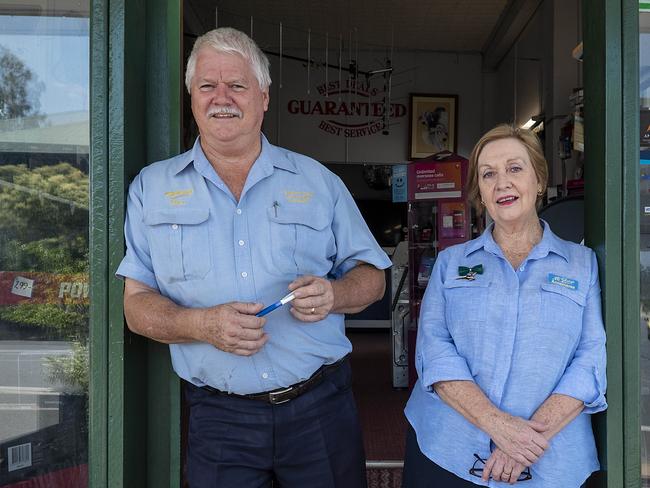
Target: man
{"points": [[217, 233]]}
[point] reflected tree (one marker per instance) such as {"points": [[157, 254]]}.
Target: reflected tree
{"points": [[645, 297], [20, 91], [44, 229], [44, 218], [645, 288]]}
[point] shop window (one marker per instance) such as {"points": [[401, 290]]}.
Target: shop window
{"points": [[44, 299]]}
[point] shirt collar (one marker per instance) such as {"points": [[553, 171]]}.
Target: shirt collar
{"points": [[549, 243], [271, 156]]}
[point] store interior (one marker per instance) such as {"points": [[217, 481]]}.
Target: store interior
{"points": [[347, 80]]}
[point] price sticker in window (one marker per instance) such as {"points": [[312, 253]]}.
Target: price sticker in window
{"points": [[22, 287]]}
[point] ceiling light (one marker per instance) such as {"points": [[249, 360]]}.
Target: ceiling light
{"points": [[533, 122]]}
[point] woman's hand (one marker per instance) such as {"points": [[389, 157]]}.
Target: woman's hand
{"points": [[501, 467], [520, 439]]}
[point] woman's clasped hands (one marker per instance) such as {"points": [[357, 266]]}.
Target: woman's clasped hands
{"points": [[519, 444]]}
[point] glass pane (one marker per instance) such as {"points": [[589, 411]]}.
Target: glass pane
{"points": [[44, 140], [644, 72]]}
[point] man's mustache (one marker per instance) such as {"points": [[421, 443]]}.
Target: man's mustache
{"points": [[224, 111]]}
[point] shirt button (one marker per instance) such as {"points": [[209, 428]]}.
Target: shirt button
{"points": [[241, 243], [174, 226], [265, 375], [244, 274], [521, 269], [239, 211]]}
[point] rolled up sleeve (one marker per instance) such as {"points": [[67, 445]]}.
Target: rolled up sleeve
{"points": [[585, 378], [354, 241], [137, 260], [437, 358]]}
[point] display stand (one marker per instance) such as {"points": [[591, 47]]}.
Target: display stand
{"points": [[438, 217]]}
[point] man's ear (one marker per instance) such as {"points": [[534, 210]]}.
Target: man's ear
{"points": [[265, 98]]}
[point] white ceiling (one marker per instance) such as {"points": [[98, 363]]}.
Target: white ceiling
{"points": [[435, 25]]}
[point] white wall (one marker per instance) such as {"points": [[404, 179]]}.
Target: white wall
{"points": [[414, 72], [537, 76], [567, 75]]}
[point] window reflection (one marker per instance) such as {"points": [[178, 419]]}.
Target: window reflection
{"points": [[644, 79], [44, 141]]}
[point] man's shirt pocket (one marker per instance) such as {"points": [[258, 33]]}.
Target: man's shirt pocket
{"points": [[301, 239], [179, 241]]}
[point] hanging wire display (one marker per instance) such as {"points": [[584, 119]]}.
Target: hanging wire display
{"points": [[280, 55], [309, 61], [363, 88], [327, 57]]}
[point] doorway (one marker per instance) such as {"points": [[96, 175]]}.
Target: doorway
{"points": [[341, 94]]}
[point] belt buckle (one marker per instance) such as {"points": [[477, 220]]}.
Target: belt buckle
{"points": [[273, 396]]}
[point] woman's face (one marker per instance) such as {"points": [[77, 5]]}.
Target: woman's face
{"points": [[507, 182]]}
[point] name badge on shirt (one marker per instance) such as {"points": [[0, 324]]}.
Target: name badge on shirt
{"points": [[562, 281]]}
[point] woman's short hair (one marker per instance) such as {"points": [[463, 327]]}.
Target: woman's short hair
{"points": [[231, 41], [507, 131]]}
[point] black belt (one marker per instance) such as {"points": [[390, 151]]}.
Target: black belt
{"points": [[283, 395]]}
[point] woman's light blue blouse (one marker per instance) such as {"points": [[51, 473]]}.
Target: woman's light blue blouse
{"points": [[521, 335]]}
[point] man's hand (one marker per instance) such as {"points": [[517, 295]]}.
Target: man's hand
{"points": [[502, 467], [520, 439], [314, 298], [233, 327]]}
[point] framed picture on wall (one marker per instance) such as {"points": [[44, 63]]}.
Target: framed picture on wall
{"points": [[433, 125]]}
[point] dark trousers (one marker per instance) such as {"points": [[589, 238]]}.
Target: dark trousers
{"points": [[420, 472], [311, 441]]}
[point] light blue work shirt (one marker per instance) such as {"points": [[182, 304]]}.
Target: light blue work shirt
{"points": [[189, 238], [521, 335]]}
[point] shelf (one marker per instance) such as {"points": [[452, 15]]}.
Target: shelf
{"points": [[421, 245]]}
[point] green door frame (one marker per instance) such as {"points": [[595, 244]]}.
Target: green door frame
{"points": [[135, 118], [611, 81]]}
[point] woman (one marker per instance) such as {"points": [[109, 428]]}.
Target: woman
{"points": [[511, 347]]}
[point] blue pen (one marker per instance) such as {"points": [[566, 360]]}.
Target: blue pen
{"points": [[270, 308]]}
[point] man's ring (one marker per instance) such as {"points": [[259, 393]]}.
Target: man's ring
{"points": [[313, 309]]}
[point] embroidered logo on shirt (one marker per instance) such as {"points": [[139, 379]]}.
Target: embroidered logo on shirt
{"points": [[562, 281], [298, 196], [175, 196]]}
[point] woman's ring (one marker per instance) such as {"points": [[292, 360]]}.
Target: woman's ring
{"points": [[313, 309]]}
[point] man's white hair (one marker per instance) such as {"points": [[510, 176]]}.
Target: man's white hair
{"points": [[231, 41]]}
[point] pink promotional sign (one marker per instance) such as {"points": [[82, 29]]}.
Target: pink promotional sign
{"points": [[434, 180]]}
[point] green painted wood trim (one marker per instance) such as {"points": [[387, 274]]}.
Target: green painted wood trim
{"points": [[115, 323], [136, 429], [631, 245], [603, 201], [163, 111], [174, 31], [130, 373], [98, 390], [164, 90]]}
